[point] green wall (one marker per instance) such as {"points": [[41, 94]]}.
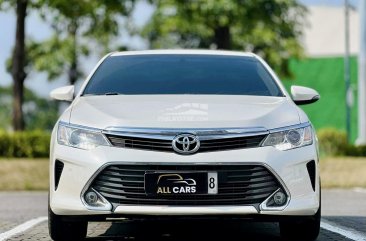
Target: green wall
{"points": [[326, 75]]}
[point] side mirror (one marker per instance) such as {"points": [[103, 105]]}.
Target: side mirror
{"points": [[303, 95], [65, 93]]}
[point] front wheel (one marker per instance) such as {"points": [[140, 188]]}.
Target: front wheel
{"points": [[61, 230], [302, 228]]}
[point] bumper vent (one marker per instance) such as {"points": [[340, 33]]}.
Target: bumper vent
{"points": [[311, 170], [238, 185], [210, 145], [59, 166]]}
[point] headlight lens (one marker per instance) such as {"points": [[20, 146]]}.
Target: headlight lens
{"points": [[289, 139], [80, 138]]}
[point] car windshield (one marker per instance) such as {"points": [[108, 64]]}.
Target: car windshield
{"points": [[160, 74]]}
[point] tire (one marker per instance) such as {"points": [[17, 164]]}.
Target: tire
{"points": [[61, 230], [301, 228]]}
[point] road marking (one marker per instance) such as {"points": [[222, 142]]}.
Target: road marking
{"points": [[346, 232], [325, 224], [21, 228], [359, 190]]}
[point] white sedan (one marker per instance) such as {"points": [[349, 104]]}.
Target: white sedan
{"points": [[184, 133]]}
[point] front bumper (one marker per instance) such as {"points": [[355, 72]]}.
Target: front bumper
{"points": [[176, 210], [80, 166]]}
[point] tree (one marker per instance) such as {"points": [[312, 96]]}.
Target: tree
{"points": [[18, 62], [72, 21], [270, 28], [18, 59], [79, 26]]}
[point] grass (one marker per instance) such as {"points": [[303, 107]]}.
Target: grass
{"points": [[32, 174], [343, 172], [23, 174]]}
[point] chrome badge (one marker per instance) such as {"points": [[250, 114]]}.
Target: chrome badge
{"points": [[186, 144]]}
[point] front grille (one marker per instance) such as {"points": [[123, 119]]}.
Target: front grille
{"points": [[210, 145], [230, 143], [140, 143], [238, 185]]}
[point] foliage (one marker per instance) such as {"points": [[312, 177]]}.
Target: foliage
{"points": [[5, 107], [271, 28], [352, 150], [332, 141], [18, 59], [76, 23], [80, 27], [53, 56], [39, 113], [9, 4], [24, 144]]}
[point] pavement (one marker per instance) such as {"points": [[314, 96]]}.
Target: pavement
{"points": [[23, 217]]}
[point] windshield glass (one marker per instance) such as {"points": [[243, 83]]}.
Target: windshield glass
{"points": [[159, 74]]}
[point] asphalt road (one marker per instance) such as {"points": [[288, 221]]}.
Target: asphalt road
{"points": [[343, 218]]}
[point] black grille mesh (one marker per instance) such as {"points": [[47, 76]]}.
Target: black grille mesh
{"points": [[238, 185], [166, 145], [59, 166], [311, 170]]}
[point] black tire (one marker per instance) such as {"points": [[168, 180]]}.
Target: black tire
{"points": [[61, 230], [301, 228]]}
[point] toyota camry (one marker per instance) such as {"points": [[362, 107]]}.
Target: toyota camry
{"points": [[184, 133]]}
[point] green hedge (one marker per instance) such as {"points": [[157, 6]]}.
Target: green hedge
{"points": [[352, 150], [26, 144], [333, 142]]}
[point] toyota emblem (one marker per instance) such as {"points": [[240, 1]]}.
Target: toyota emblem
{"points": [[186, 144]]}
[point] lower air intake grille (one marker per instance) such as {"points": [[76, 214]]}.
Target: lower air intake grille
{"points": [[59, 166], [238, 185], [311, 170]]}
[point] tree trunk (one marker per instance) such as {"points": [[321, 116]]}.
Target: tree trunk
{"points": [[223, 37], [18, 65], [73, 70]]}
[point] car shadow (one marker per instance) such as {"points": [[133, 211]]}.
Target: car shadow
{"points": [[190, 230], [357, 223]]}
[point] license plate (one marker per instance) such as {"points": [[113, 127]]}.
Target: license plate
{"points": [[180, 183]]}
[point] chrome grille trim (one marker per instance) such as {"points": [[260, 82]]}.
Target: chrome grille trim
{"points": [[169, 133], [154, 139]]}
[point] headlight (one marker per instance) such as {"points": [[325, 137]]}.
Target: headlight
{"points": [[289, 139], [80, 137]]}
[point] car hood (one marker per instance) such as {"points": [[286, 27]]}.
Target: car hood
{"points": [[183, 111]]}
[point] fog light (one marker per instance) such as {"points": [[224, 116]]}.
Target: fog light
{"points": [[279, 198], [91, 198]]}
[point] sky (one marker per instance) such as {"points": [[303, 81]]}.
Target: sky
{"points": [[38, 30]]}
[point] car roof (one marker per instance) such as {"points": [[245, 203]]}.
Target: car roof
{"points": [[184, 51]]}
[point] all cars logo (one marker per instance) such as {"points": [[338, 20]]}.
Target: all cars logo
{"points": [[175, 184]]}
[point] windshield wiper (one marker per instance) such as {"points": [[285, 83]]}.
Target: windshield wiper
{"points": [[112, 93], [108, 93]]}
